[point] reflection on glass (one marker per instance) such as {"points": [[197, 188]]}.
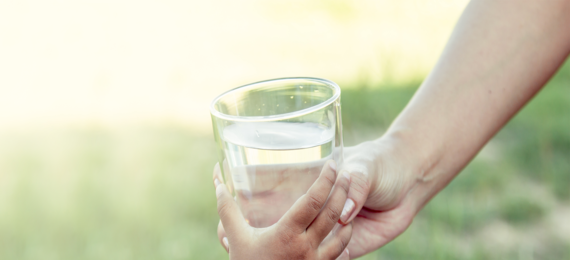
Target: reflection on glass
{"points": [[274, 138]]}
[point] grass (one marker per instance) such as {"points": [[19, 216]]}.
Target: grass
{"points": [[146, 192]]}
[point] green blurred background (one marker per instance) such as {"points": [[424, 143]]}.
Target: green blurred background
{"points": [[106, 149]]}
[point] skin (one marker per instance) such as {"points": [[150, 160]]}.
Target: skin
{"points": [[304, 232], [500, 54]]}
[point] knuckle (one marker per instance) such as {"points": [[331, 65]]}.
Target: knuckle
{"points": [[299, 252], [223, 209], [314, 202], [333, 215], [287, 237], [329, 179], [345, 185]]}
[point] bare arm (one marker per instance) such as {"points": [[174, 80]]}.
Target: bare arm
{"points": [[499, 56], [501, 53]]}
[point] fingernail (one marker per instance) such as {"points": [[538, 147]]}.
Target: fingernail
{"points": [[332, 164], [347, 210], [219, 191], [346, 251], [346, 175], [226, 244], [216, 182]]}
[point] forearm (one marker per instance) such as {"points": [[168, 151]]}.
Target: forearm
{"points": [[499, 56]]}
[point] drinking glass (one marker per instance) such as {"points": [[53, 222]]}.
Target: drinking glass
{"points": [[274, 137]]}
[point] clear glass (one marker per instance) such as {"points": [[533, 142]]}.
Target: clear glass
{"points": [[274, 137]]}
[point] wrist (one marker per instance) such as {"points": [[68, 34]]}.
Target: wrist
{"points": [[418, 159], [418, 151]]}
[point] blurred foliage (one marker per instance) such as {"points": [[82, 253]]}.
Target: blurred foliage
{"points": [[99, 194], [501, 205], [521, 210], [146, 192]]}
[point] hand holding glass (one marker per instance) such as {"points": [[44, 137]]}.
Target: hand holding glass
{"points": [[274, 137]]}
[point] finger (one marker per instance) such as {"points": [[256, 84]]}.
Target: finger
{"points": [[304, 211], [335, 245], [217, 175], [222, 237], [331, 213], [359, 189], [228, 210], [344, 256]]}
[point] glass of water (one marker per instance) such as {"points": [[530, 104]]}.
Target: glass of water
{"points": [[274, 137]]}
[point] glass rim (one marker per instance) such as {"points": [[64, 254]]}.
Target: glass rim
{"points": [[331, 84]]}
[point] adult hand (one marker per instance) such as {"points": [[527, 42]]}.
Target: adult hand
{"points": [[379, 203], [382, 178]]}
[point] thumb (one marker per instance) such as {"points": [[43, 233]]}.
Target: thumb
{"points": [[357, 195]]}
